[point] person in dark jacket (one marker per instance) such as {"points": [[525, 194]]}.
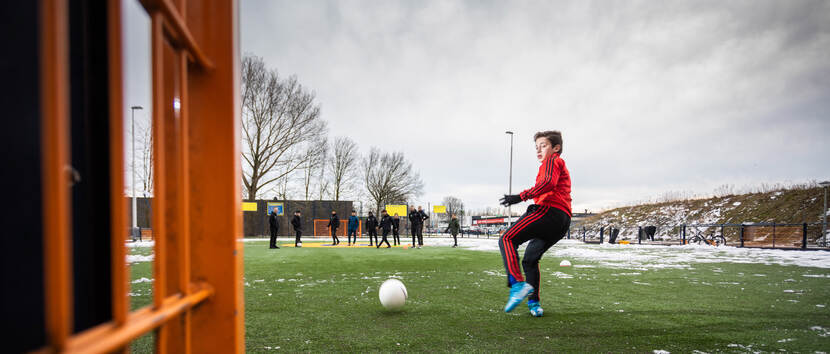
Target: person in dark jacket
{"points": [[453, 228], [414, 225], [372, 228], [275, 227], [297, 223], [386, 227], [354, 222], [334, 222], [423, 217], [396, 227]]}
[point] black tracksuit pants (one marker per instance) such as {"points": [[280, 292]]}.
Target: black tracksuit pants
{"points": [[297, 239], [373, 233], [543, 226], [396, 237], [274, 231], [383, 239], [455, 239], [417, 231], [334, 239]]}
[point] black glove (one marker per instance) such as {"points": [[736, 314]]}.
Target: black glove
{"points": [[510, 199]]}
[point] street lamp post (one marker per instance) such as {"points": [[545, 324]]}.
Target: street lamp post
{"points": [[510, 180], [135, 209], [824, 184]]}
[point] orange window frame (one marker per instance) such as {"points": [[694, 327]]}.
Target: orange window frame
{"points": [[197, 218]]}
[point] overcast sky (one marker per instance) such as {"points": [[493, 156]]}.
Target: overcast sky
{"points": [[650, 96]]}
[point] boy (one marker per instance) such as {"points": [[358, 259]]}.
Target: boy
{"points": [[353, 224], [544, 224], [334, 222], [298, 228], [386, 226], [372, 228]]}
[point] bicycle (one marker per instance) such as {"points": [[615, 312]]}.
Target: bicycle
{"points": [[712, 240]]}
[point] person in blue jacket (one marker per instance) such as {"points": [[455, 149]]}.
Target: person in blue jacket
{"points": [[354, 222]]}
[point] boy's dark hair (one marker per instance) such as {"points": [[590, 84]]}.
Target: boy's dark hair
{"points": [[553, 136], [296, 211]]}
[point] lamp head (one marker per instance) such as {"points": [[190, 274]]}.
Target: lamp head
{"points": [[136, 107], [824, 184]]}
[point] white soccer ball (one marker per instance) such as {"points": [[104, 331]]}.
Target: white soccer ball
{"points": [[392, 294], [565, 263]]}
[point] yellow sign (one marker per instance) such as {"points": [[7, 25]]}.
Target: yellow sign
{"points": [[439, 209], [248, 206], [396, 209]]}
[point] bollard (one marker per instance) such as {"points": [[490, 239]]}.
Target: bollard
{"points": [[640, 235], [804, 236], [742, 235], [601, 234], [683, 234]]}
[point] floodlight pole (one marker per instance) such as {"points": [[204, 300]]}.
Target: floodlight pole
{"points": [[135, 212], [824, 184], [510, 180]]}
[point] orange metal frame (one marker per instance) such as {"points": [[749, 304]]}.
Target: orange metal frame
{"points": [[198, 257]]}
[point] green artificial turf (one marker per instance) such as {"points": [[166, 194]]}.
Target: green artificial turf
{"points": [[323, 300]]}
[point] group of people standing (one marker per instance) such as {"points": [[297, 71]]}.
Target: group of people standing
{"points": [[387, 224], [274, 225]]}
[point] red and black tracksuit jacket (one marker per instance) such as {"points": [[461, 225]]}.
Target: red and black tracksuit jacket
{"points": [[553, 185], [544, 223]]}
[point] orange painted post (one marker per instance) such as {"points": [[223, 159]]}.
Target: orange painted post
{"points": [[160, 172], [215, 170], [120, 272], [55, 176]]}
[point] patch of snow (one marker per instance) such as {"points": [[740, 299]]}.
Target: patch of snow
{"points": [[140, 244], [137, 258], [142, 280], [822, 332]]}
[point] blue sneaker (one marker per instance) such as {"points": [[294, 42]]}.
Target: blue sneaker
{"points": [[535, 308], [518, 292]]}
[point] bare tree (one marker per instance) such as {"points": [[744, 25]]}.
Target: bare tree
{"points": [[343, 166], [389, 178], [323, 183], [278, 117], [144, 168], [454, 206], [314, 155]]}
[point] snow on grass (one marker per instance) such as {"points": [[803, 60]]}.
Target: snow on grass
{"points": [[142, 280], [821, 331], [646, 257], [136, 258], [140, 244]]}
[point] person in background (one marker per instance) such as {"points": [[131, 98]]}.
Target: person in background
{"points": [[354, 222], [334, 222], [453, 228], [274, 226], [415, 223], [386, 226], [372, 228], [423, 216], [396, 228], [297, 223]]}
